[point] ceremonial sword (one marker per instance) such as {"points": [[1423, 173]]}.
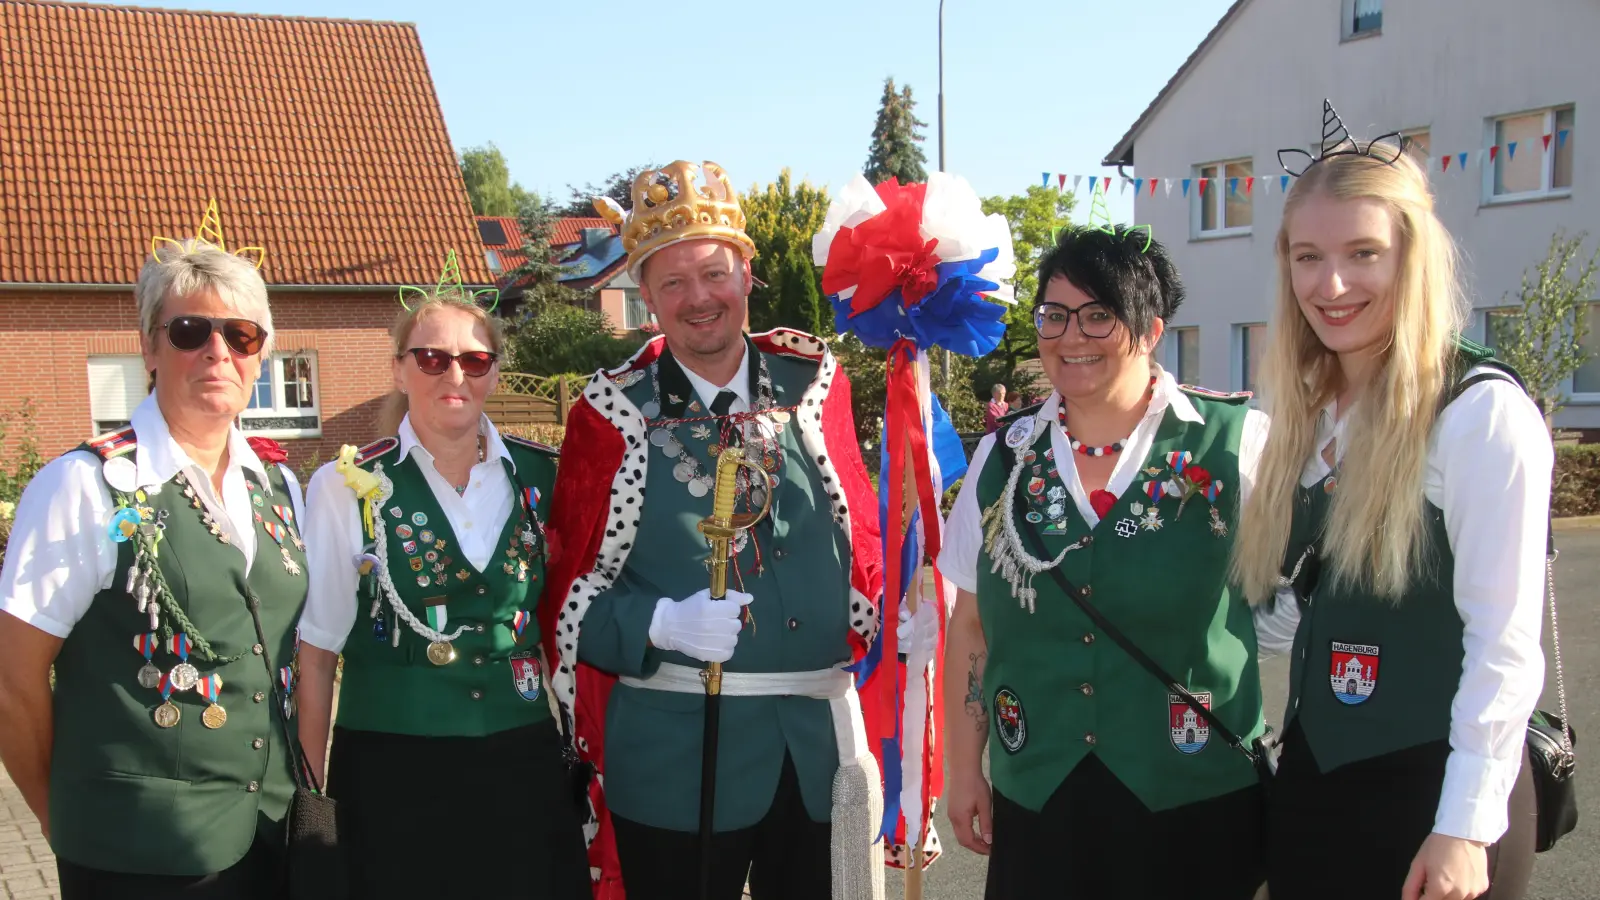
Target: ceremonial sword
{"points": [[720, 529]]}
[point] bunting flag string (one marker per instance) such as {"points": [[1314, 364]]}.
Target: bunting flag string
{"points": [[1249, 186]]}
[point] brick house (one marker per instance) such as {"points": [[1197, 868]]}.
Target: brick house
{"points": [[591, 254], [321, 140]]}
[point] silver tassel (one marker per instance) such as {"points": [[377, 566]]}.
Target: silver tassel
{"points": [[857, 816], [155, 615]]}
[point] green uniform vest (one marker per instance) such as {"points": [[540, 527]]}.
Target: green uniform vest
{"points": [[1058, 691], [495, 682], [129, 796], [653, 738], [1368, 675]]}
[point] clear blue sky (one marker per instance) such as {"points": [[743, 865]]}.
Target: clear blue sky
{"points": [[573, 91]]}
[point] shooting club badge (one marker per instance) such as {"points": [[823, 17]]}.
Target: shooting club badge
{"points": [[1020, 434], [1354, 673], [1189, 732], [1009, 720], [525, 675]]}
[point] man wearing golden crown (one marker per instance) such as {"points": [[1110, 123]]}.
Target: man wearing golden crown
{"points": [[632, 624]]}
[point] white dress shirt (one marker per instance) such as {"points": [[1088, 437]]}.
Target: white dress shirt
{"points": [[334, 536], [963, 533], [60, 554], [740, 385], [1489, 468]]}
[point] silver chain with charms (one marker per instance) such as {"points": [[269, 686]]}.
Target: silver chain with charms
{"points": [[1011, 560]]}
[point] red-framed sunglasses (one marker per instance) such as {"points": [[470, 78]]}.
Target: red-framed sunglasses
{"points": [[431, 361], [189, 333]]}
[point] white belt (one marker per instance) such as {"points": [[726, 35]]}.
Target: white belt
{"points": [[857, 787]]}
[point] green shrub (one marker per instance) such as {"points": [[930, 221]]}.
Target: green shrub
{"points": [[561, 338], [1576, 491]]}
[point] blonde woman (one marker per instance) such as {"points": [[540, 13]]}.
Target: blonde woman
{"points": [[446, 761], [1404, 492]]}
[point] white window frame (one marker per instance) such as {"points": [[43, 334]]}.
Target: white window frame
{"points": [[1347, 21], [1547, 157], [1217, 192], [492, 259], [1172, 359], [249, 420], [631, 296], [1238, 368], [133, 365]]}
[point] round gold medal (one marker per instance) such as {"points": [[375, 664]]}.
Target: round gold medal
{"points": [[441, 653], [167, 714], [214, 716]]}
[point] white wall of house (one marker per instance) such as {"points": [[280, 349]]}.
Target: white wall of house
{"points": [[1449, 68]]}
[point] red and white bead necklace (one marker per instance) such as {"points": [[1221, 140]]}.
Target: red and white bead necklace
{"points": [[1078, 446]]}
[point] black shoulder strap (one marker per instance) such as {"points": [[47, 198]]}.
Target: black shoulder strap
{"points": [[1080, 597]]}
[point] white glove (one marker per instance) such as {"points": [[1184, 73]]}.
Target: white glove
{"points": [[698, 626], [918, 634]]}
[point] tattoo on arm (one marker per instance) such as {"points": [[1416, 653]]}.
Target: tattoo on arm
{"points": [[976, 708]]}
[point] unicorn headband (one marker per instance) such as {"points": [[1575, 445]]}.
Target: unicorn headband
{"points": [[1100, 220], [1336, 141], [450, 279], [210, 232]]}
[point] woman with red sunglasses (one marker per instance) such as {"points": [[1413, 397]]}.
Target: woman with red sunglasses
{"points": [[159, 567], [428, 553]]}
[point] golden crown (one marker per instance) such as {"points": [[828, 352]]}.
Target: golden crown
{"points": [[669, 205]]}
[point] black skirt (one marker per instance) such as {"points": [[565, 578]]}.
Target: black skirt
{"points": [[1367, 820], [1095, 839], [457, 816]]}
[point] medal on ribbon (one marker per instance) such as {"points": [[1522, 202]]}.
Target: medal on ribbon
{"points": [[167, 714], [518, 623], [183, 676], [440, 653], [149, 675], [210, 687]]}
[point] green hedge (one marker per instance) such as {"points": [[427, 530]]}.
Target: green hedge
{"points": [[1576, 491]]}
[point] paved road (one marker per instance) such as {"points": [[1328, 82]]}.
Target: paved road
{"points": [[1558, 875], [27, 871]]}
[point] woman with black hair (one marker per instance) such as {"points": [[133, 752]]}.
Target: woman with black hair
{"points": [[1112, 504]]}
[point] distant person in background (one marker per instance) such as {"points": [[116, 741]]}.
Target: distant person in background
{"points": [[997, 408]]}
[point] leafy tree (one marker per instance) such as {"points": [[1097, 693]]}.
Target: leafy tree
{"points": [[489, 183], [781, 221], [1544, 342], [618, 187], [896, 139], [1033, 216], [561, 338], [539, 275]]}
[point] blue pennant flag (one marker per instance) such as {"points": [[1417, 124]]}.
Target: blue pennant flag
{"points": [[1561, 138], [1233, 185], [1186, 187], [1462, 159], [1138, 185], [1045, 180], [1283, 183], [1093, 179], [1511, 148]]}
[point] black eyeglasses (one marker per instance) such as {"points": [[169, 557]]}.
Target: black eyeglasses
{"points": [[1095, 320], [188, 333], [474, 363]]}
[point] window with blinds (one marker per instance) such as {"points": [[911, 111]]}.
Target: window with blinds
{"points": [[116, 385]]}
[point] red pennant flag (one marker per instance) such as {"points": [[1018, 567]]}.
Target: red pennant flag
{"points": [[1061, 182], [1153, 183], [1547, 141], [1446, 161], [1203, 186], [1493, 152], [1249, 185]]}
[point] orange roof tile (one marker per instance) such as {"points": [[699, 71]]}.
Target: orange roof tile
{"points": [[322, 141], [570, 231]]}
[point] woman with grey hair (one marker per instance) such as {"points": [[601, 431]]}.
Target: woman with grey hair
{"points": [[160, 570]]}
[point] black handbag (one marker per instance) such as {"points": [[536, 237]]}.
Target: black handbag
{"points": [[1261, 752], [1550, 745], [314, 865]]}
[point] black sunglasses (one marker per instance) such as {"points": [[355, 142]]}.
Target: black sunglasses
{"points": [[474, 363], [1095, 319], [188, 333]]}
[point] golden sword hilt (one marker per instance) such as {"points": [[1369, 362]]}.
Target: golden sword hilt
{"points": [[722, 526]]}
